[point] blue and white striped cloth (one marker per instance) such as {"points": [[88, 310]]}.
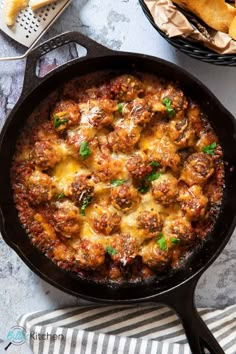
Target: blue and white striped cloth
{"points": [[143, 329]]}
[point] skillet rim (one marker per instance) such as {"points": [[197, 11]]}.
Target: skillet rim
{"points": [[25, 96]]}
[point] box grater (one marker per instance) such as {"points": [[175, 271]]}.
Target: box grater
{"points": [[31, 25]]}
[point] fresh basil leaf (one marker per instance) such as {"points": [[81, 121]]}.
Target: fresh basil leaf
{"points": [[84, 150], [153, 176], [144, 189], [117, 182], [120, 107], [175, 241], [59, 121], [169, 109], [210, 149], [60, 196], [112, 251], [86, 202], [162, 243], [154, 164]]}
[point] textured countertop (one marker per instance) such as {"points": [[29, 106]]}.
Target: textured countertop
{"points": [[119, 25]]}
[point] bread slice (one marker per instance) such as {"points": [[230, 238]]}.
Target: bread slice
{"points": [[232, 29], [215, 13]]}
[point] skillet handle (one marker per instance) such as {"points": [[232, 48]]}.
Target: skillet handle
{"points": [[199, 336], [93, 48]]}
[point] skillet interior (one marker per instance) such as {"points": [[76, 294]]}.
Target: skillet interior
{"points": [[225, 128]]}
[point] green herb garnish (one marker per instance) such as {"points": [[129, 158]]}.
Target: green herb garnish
{"points": [[210, 149], [162, 243], [60, 196], [154, 164], [112, 251], [117, 182], [84, 150], [86, 202], [120, 107], [175, 241], [153, 175], [144, 189], [59, 121], [169, 110]]}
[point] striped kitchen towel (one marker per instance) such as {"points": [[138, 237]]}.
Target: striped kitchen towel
{"points": [[142, 329]]}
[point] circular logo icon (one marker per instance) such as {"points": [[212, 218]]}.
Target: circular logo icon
{"points": [[17, 335]]}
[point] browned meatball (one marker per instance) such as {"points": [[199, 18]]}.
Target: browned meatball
{"points": [[192, 201], [138, 167], [107, 224], [108, 168], [178, 100], [197, 169], [150, 221], [138, 111], [126, 87], [81, 190], [124, 249], [181, 133], [66, 219], [154, 257], [123, 138], [124, 197], [45, 132], [45, 154], [40, 188], [89, 255], [165, 189], [164, 151], [98, 113], [178, 228], [65, 114]]}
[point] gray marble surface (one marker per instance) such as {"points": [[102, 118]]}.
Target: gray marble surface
{"points": [[119, 25]]}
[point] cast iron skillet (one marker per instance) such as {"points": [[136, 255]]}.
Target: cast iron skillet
{"points": [[176, 290]]}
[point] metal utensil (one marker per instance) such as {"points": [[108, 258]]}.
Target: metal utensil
{"points": [[30, 26]]}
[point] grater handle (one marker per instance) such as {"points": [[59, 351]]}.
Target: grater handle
{"points": [[93, 48]]}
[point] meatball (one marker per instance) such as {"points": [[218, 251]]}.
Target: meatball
{"points": [[98, 113], [179, 228], [124, 249], [178, 100], [164, 151], [197, 169], [138, 167], [154, 257], [44, 132], [192, 201], [65, 114], [81, 190], [138, 111], [89, 255], [123, 138], [150, 221], [44, 154], [107, 224], [124, 197], [66, 219], [40, 188], [126, 87], [108, 168], [181, 133], [165, 189]]}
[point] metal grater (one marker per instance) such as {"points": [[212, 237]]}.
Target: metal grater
{"points": [[30, 26]]}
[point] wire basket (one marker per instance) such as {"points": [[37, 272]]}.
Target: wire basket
{"points": [[191, 48]]}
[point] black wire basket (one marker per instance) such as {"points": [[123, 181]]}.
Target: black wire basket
{"points": [[191, 48]]}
